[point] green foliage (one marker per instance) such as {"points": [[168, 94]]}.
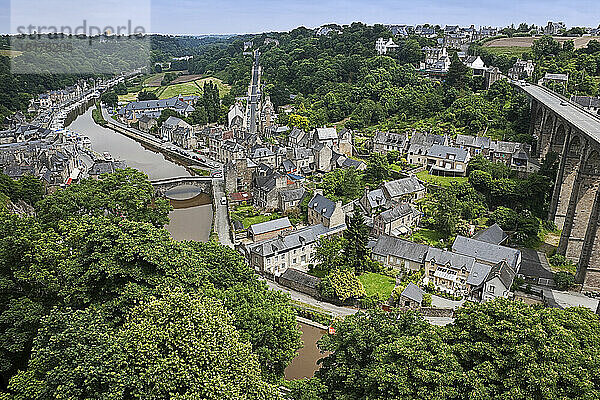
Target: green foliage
{"points": [[329, 252], [145, 95], [498, 349], [125, 194], [179, 343], [342, 284], [110, 99], [355, 252], [342, 184], [545, 46], [378, 169], [77, 279], [459, 75], [564, 280], [27, 188]]}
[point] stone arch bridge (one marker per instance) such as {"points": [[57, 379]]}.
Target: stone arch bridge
{"points": [[574, 134], [161, 186]]}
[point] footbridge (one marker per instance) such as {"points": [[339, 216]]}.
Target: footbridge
{"points": [[573, 133], [161, 186]]}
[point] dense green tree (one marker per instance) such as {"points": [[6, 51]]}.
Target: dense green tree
{"points": [[265, 319], [342, 184], [377, 169], [355, 252], [146, 95], [494, 350], [110, 99], [180, 345], [545, 46], [458, 74], [125, 194]]}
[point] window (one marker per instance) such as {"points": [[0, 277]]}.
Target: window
{"points": [[303, 258], [491, 289]]}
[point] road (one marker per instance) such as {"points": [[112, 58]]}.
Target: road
{"points": [[221, 217], [253, 92], [338, 311]]}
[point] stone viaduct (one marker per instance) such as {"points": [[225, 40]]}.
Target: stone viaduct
{"points": [[161, 186], [566, 129]]}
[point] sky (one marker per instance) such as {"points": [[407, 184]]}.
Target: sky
{"points": [[228, 17]]}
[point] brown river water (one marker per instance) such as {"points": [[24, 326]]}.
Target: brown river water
{"points": [[192, 214]]}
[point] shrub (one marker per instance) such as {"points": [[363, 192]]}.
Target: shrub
{"points": [[564, 280]]}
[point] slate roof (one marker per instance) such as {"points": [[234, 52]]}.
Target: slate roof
{"points": [[488, 252], [398, 212], [173, 102], [444, 152], [388, 245], [456, 260], [493, 234], [481, 142], [504, 272], [270, 226], [402, 187], [376, 198], [322, 205], [478, 274], [390, 138], [326, 133], [351, 163], [292, 240], [292, 194], [301, 278], [413, 292], [261, 152], [533, 266]]}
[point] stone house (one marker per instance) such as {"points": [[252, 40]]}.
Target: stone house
{"points": [[498, 282], [263, 155], [411, 296], [453, 273], [323, 211], [445, 160], [146, 123], [269, 229], [399, 254], [474, 144], [322, 157], [296, 250], [487, 253], [405, 189], [300, 282], [266, 189], [291, 198], [384, 142], [396, 221]]}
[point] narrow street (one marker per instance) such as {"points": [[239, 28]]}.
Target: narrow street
{"points": [[221, 218]]}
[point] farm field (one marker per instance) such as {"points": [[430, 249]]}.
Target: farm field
{"points": [[511, 51], [10, 53], [192, 88], [528, 41]]}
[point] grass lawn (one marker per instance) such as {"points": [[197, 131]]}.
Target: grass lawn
{"points": [[444, 181], [257, 219], [510, 51], [377, 283], [429, 237], [193, 88], [10, 53]]}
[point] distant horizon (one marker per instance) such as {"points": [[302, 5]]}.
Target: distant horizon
{"points": [[205, 18]]}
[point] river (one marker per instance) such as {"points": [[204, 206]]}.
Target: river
{"points": [[192, 213]]}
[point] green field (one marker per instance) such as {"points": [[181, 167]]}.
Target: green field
{"points": [[511, 51], [443, 181], [429, 237], [377, 283], [193, 88], [10, 53]]}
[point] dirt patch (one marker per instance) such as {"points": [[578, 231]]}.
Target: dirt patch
{"points": [[528, 41], [186, 78]]}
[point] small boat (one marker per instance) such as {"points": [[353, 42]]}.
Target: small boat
{"points": [[107, 156]]}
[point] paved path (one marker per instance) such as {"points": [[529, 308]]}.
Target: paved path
{"points": [[441, 302], [221, 219], [304, 298]]}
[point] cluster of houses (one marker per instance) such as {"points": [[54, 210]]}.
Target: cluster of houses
{"points": [[273, 174], [480, 268], [54, 98], [37, 153], [442, 155]]}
